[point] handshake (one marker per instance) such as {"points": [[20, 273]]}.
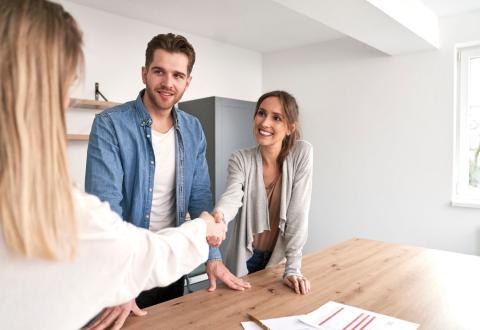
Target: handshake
{"points": [[216, 227]]}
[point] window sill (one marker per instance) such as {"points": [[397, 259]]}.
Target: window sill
{"points": [[465, 202]]}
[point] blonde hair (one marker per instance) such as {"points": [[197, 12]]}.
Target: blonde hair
{"points": [[40, 51]]}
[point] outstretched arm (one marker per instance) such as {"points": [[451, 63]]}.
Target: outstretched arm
{"points": [[225, 210], [138, 259], [232, 198]]}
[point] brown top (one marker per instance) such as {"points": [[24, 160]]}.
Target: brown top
{"points": [[266, 240]]}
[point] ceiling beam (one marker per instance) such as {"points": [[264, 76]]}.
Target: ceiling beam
{"points": [[393, 27]]}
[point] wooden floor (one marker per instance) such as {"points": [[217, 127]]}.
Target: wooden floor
{"points": [[439, 290]]}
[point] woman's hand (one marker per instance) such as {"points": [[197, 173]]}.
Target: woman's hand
{"points": [[113, 318], [218, 215], [215, 230], [299, 284]]}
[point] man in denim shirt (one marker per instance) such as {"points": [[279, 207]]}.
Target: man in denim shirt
{"points": [[147, 159]]}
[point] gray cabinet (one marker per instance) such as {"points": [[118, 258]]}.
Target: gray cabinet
{"points": [[228, 126]]}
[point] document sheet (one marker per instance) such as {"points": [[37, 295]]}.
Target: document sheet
{"points": [[335, 316]]}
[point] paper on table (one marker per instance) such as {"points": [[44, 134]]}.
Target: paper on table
{"points": [[335, 316]]}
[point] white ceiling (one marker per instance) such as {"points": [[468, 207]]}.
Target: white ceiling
{"points": [[452, 7], [260, 25]]}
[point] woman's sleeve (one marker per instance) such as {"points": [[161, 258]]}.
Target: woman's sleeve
{"points": [[135, 259], [231, 199], [296, 230]]}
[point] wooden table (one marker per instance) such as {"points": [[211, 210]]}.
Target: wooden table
{"points": [[439, 290]]}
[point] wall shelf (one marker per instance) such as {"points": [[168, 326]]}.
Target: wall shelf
{"points": [[77, 137], [90, 104]]}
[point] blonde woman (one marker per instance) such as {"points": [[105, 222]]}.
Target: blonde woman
{"points": [[64, 255], [269, 191]]}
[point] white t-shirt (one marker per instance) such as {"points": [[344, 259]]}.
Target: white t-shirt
{"points": [[115, 262], [163, 212]]}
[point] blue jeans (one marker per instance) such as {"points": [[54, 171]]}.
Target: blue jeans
{"points": [[258, 261]]}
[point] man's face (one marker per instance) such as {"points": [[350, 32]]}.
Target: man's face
{"points": [[166, 80]]}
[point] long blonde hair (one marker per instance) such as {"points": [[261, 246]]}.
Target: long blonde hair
{"points": [[40, 51]]}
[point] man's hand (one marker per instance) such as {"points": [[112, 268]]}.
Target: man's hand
{"points": [[217, 270], [114, 317], [215, 230], [299, 284]]}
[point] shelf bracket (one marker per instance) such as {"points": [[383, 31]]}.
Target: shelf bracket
{"points": [[98, 93]]}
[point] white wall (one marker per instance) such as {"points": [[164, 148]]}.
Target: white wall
{"points": [[115, 52], [381, 126], [383, 136]]}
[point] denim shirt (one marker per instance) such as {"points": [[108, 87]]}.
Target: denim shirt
{"points": [[121, 164]]}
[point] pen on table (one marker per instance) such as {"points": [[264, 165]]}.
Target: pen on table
{"points": [[258, 322]]}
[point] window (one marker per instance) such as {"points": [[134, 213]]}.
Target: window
{"points": [[466, 176]]}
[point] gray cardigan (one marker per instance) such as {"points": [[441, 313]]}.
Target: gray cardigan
{"points": [[246, 190]]}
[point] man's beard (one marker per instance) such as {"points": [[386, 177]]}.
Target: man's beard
{"points": [[163, 105]]}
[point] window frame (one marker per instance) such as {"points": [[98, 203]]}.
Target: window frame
{"points": [[462, 193]]}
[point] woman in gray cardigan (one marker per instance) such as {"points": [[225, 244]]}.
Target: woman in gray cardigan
{"points": [[271, 184]]}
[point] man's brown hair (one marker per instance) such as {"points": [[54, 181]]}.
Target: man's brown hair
{"points": [[172, 43]]}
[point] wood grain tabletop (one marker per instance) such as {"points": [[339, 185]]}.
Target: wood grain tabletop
{"points": [[436, 289]]}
